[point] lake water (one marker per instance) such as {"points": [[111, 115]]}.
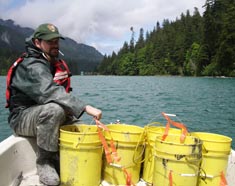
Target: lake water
{"points": [[202, 104]]}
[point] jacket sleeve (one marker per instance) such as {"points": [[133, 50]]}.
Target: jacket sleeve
{"points": [[36, 81]]}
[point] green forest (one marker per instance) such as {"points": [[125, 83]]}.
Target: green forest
{"points": [[192, 45], [7, 58]]}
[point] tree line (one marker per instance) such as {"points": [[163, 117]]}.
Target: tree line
{"points": [[79, 57], [7, 58], [192, 45]]}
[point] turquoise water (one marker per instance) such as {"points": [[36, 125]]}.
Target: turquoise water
{"points": [[202, 104]]}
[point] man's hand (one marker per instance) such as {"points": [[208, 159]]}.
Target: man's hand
{"points": [[93, 112]]}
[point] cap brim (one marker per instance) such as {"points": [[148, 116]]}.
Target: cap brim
{"points": [[51, 36]]}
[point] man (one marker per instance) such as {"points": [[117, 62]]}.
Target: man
{"points": [[38, 104]]}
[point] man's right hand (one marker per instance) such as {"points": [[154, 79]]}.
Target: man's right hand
{"points": [[97, 113]]}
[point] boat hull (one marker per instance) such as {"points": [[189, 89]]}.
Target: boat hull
{"points": [[18, 167]]}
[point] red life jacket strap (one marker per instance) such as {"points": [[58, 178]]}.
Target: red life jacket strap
{"points": [[62, 75], [9, 78]]}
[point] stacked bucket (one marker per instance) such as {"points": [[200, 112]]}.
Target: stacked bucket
{"points": [[215, 153], [176, 156], [122, 154], [83, 158], [177, 159], [129, 143], [151, 132]]}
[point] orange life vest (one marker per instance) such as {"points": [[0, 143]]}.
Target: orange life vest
{"points": [[61, 76]]}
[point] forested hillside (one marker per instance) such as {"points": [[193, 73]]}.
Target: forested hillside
{"points": [[192, 45], [80, 57]]}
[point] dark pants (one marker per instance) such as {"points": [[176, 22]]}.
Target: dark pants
{"points": [[42, 122]]}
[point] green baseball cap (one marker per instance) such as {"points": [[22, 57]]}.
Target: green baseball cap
{"points": [[47, 32]]}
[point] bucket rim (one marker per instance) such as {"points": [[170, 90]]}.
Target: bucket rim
{"points": [[197, 140], [226, 139], [141, 129], [77, 133], [156, 129]]}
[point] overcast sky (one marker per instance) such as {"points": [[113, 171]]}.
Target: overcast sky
{"points": [[104, 24]]}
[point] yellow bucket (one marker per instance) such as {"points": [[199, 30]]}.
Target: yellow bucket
{"points": [[151, 133], [177, 163], [215, 152], [129, 142], [80, 155]]}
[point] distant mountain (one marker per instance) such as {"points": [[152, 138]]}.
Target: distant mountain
{"points": [[80, 57]]}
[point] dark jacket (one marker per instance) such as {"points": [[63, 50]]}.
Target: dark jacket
{"points": [[33, 84]]}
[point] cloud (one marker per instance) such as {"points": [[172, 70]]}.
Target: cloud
{"points": [[104, 24]]}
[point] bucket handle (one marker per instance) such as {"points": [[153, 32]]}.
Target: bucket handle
{"points": [[153, 124], [146, 139], [135, 160], [223, 181], [147, 127], [113, 152], [176, 124]]}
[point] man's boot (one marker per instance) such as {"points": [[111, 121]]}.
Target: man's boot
{"points": [[46, 169]]}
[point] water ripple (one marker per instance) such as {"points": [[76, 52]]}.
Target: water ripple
{"points": [[203, 104]]}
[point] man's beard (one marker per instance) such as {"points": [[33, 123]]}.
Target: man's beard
{"points": [[54, 53]]}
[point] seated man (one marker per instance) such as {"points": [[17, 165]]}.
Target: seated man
{"points": [[38, 102]]}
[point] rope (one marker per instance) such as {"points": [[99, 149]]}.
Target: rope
{"points": [[223, 181], [170, 178], [176, 124], [108, 153], [128, 177], [112, 156]]}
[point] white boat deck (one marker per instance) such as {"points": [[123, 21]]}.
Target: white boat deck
{"points": [[17, 161], [33, 180], [18, 158], [30, 179]]}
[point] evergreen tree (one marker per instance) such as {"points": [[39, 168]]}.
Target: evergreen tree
{"points": [[225, 56], [191, 45], [132, 41], [140, 43]]}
